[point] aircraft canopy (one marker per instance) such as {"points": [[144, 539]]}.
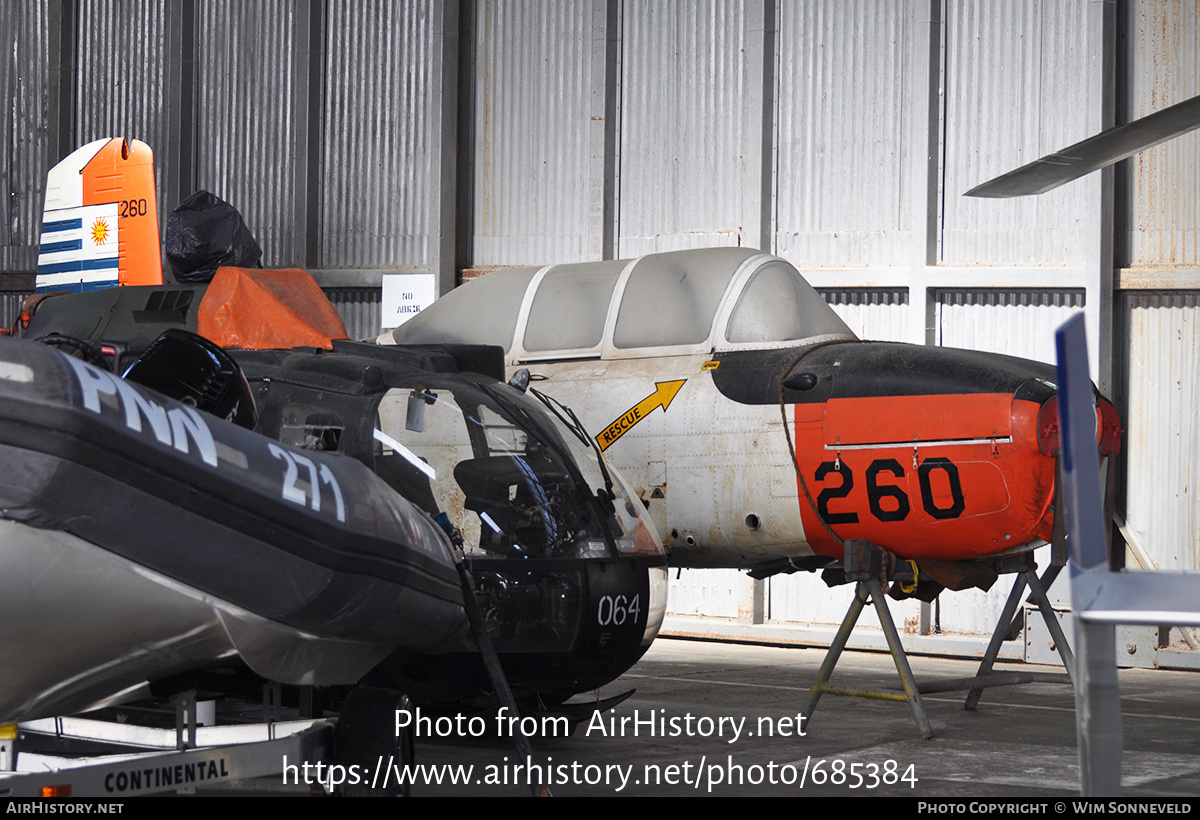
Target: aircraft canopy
{"points": [[660, 304]]}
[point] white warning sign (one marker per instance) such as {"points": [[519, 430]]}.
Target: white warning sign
{"points": [[404, 296]]}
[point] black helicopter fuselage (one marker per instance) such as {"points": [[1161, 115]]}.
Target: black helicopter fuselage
{"points": [[569, 573]]}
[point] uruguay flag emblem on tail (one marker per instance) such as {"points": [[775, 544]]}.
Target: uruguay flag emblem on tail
{"points": [[100, 224]]}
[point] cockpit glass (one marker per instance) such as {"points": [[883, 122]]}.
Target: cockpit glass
{"points": [[570, 307], [509, 476], [778, 305], [672, 299]]}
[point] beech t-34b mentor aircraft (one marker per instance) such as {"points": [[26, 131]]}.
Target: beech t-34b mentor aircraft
{"points": [[759, 431]]}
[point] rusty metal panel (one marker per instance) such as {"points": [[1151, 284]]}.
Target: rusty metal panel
{"points": [[1162, 437], [688, 120], [1016, 75], [872, 313], [25, 88], [377, 177], [538, 118], [360, 310], [1163, 68], [245, 141], [844, 133], [1014, 322]]}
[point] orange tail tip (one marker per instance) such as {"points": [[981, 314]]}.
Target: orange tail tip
{"points": [[100, 226]]}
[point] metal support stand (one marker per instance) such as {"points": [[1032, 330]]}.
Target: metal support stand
{"points": [[863, 591], [864, 564], [1037, 592], [272, 702], [8, 747], [185, 719]]}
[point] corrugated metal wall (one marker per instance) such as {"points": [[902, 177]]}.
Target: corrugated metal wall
{"points": [[1014, 322], [844, 133], [377, 163], [1164, 201], [1157, 247], [119, 96], [1014, 74], [713, 593], [246, 78], [359, 309], [688, 97], [872, 313], [536, 86], [1163, 426], [28, 83]]}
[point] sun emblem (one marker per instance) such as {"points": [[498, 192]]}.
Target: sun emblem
{"points": [[99, 231]]}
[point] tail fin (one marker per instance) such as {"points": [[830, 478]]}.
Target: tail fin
{"points": [[100, 225]]}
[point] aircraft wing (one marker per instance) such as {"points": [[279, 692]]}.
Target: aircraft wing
{"points": [[1093, 153]]}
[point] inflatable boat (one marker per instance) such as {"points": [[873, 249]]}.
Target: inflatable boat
{"points": [[141, 538], [255, 490]]}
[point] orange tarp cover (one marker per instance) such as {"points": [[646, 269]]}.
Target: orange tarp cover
{"points": [[256, 309]]}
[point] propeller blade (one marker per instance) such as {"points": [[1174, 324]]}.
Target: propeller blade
{"points": [[1093, 153]]}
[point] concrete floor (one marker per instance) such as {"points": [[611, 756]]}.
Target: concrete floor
{"points": [[1019, 742]]}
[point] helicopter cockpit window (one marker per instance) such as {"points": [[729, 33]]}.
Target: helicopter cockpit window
{"points": [[671, 299], [570, 307], [311, 427], [514, 481], [778, 305]]}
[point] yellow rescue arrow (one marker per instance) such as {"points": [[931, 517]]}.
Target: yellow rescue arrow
{"points": [[663, 393]]}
